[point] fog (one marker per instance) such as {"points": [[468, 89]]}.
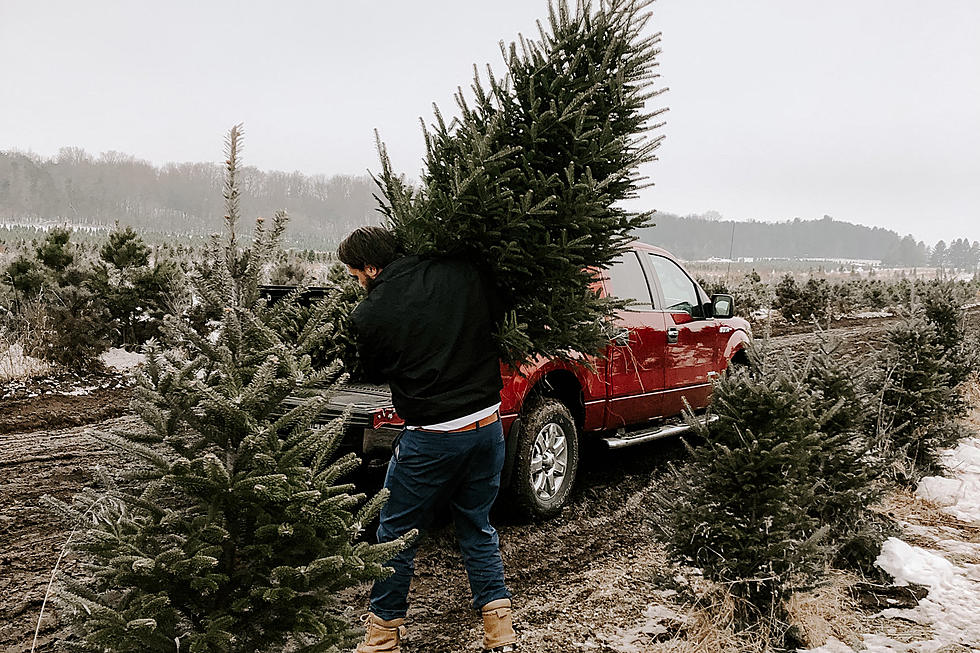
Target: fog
{"points": [[867, 111]]}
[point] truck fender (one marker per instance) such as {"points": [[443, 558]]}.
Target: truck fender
{"points": [[510, 453], [736, 343]]}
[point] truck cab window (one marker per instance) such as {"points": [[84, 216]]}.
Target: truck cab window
{"points": [[680, 293], [626, 280]]}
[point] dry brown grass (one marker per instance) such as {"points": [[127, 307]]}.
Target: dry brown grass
{"points": [[971, 394], [827, 611], [710, 628]]}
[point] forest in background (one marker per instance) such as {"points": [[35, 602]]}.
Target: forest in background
{"points": [[84, 190], [177, 198]]}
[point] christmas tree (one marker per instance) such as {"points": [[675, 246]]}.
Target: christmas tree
{"points": [[781, 484], [236, 531], [740, 508], [848, 471], [136, 291], [917, 403], [942, 304], [529, 180]]}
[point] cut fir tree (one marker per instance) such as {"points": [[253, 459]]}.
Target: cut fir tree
{"points": [[528, 181], [237, 531]]}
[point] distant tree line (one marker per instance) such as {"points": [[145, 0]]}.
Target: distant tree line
{"points": [[185, 198], [79, 188], [698, 238], [959, 254]]}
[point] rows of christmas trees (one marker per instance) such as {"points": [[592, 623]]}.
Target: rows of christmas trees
{"points": [[787, 482], [235, 530]]}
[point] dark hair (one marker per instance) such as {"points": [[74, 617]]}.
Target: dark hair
{"points": [[365, 246]]}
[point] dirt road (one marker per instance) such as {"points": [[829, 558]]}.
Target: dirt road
{"points": [[594, 579]]}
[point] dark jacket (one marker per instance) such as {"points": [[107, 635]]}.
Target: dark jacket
{"points": [[426, 328]]}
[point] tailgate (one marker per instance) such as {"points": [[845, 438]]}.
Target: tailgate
{"points": [[364, 399]]}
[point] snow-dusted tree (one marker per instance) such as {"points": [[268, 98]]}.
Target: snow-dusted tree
{"points": [[236, 531]]}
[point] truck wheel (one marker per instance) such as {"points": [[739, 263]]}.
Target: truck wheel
{"points": [[546, 459]]}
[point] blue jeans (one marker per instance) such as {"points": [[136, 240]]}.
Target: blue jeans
{"points": [[430, 470]]}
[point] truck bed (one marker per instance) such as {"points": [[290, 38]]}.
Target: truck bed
{"points": [[364, 400]]}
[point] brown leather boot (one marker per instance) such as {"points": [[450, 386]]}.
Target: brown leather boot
{"points": [[381, 636], [498, 627]]}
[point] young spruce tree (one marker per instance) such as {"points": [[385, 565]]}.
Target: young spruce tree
{"points": [[780, 486], [847, 468], [916, 402], [236, 532], [529, 180]]}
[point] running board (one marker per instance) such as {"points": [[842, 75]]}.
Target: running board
{"points": [[649, 435]]}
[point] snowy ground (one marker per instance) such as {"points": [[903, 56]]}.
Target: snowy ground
{"points": [[951, 610], [15, 364], [121, 360]]}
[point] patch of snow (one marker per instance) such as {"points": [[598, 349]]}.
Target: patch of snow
{"points": [[121, 360], [80, 392], [833, 645], [867, 315], [639, 637], [951, 606], [960, 494], [15, 364]]}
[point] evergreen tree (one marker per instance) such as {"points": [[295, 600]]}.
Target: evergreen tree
{"points": [[741, 509], [942, 303], [849, 474], [528, 182], [789, 299], [938, 257], [781, 484], [917, 405], [137, 293], [124, 249], [236, 532], [55, 251], [287, 271], [24, 276], [76, 325]]}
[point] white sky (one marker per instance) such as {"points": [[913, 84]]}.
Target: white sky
{"points": [[866, 110]]}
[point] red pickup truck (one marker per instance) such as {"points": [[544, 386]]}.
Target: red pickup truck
{"points": [[667, 347]]}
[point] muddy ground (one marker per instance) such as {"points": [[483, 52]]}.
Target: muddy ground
{"points": [[594, 579]]}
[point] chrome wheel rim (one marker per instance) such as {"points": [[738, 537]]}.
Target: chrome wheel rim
{"points": [[549, 461]]}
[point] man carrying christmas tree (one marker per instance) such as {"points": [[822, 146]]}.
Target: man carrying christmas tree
{"points": [[426, 328]]}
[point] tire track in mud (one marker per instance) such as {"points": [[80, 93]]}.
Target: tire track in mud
{"points": [[62, 411], [32, 464], [600, 549]]}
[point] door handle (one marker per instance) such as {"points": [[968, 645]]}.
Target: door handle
{"points": [[725, 329], [672, 333]]}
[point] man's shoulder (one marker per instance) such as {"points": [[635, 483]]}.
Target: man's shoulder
{"points": [[363, 313]]}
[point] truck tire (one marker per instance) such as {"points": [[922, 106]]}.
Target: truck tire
{"points": [[546, 459]]}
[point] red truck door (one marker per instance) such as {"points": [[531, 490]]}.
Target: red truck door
{"points": [[636, 357], [691, 339]]}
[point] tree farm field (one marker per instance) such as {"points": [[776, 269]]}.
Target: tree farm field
{"points": [[594, 579]]}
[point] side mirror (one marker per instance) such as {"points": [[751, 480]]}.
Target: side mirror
{"points": [[722, 306]]}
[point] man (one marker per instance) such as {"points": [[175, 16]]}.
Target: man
{"points": [[426, 328]]}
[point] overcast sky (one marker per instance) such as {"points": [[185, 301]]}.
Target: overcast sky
{"points": [[865, 110]]}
